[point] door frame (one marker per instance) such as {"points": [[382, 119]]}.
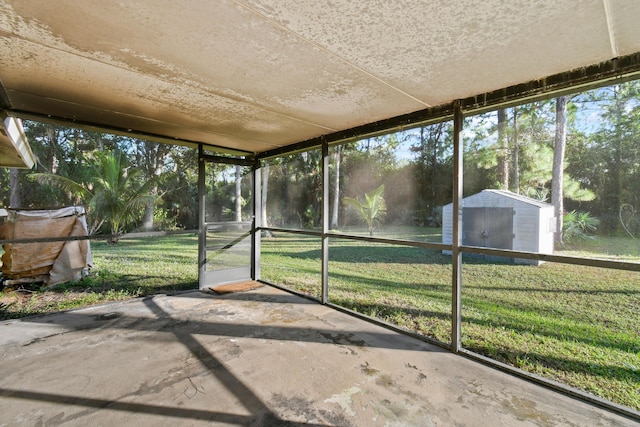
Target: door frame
{"points": [[244, 273]]}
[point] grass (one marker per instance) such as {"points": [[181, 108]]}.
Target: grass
{"points": [[574, 324], [130, 269]]}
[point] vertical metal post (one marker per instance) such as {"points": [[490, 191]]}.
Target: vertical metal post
{"points": [[456, 281], [256, 232], [325, 222], [202, 231]]}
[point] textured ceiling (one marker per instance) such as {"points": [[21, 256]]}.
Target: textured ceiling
{"points": [[254, 75]]}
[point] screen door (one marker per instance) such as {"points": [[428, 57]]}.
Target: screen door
{"points": [[226, 239]]}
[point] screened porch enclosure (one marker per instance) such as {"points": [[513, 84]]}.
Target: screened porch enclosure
{"points": [[467, 295], [337, 142], [358, 223]]}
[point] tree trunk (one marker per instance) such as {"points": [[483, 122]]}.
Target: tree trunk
{"points": [[516, 153], [238, 193], [336, 188], [614, 190], [263, 198], [503, 147], [434, 162], [147, 215], [14, 188], [156, 156], [558, 164], [52, 137]]}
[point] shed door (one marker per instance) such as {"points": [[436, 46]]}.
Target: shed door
{"points": [[488, 227]]}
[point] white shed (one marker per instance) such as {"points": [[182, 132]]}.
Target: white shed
{"points": [[503, 220]]}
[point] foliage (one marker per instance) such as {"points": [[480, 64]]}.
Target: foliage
{"points": [[372, 209], [541, 194], [578, 225], [295, 190], [607, 159], [432, 167], [112, 191], [435, 217], [67, 152], [220, 192]]}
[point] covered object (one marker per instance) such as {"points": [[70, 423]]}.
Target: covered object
{"points": [[50, 262], [503, 220]]}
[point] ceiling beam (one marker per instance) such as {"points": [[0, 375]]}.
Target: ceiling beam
{"points": [[162, 139]]}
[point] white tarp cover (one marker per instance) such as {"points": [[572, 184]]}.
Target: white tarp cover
{"points": [[50, 262]]}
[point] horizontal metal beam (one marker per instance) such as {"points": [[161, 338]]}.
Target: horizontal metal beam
{"points": [[291, 231], [387, 241], [564, 259], [136, 235], [249, 161], [131, 133]]}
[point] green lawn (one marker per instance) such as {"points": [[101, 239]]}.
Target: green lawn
{"points": [[577, 325], [132, 268]]}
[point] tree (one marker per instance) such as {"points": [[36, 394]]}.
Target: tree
{"points": [[503, 149], [558, 164], [114, 194], [15, 200], [151, 158], [516, 151], [263, 198], [432, 169], [238, 194], [337, 157], [372, 209], [606, 158], [178, 195]]}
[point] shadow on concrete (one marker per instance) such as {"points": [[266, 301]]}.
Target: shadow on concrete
{"points": [[183, 327], [281, 322], [183, 331], [263, 418]]}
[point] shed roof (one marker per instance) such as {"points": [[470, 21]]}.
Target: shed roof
{"points": [[254, 75], [517, 197], [508, 194]]}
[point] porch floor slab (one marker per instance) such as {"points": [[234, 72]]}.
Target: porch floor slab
{"points": [[257, 358]]}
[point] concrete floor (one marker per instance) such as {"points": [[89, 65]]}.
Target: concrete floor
{"points": [[257, 358]]}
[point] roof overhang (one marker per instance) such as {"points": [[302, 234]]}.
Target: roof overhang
{"points": [[14, 147], [254, 76]]}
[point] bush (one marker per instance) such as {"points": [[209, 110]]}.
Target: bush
{"points": [[578, 225]]}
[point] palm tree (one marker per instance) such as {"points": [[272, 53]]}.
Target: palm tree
{"points": [[372, 209], [112, 191]]}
